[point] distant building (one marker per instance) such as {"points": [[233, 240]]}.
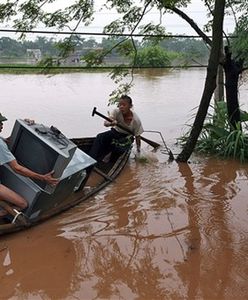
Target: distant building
{"points": [[34, 54], [76, 57]]}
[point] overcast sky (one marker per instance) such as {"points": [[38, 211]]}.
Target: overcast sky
{"points": [[172, 22]]}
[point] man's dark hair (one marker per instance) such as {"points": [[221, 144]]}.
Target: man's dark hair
{"points": [[128, 99]]}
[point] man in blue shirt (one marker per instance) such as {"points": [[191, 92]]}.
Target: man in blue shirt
{"points": [[6, 194]]}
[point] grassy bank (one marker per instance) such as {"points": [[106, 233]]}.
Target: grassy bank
{"points": [[33, 69]]}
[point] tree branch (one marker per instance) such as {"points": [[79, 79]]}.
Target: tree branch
{"points": [[191, 23]]}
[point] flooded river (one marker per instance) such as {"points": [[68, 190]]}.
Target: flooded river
{"points": [[162, 230]]}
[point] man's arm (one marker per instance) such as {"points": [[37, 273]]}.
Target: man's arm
{"points": [[28, 173]]}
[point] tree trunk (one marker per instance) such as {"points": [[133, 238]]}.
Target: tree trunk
{"points": [[232, 71], [219, 91], [210, 83]]}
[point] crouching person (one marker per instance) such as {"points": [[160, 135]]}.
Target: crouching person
{"points": [[11, 202]]}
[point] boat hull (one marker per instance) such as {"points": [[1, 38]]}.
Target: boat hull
{"points": [[71, 190]]}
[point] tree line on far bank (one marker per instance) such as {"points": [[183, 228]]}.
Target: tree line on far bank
{"points": [[169, 51]]}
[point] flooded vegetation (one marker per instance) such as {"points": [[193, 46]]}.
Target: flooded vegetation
{"points": [[162, 230]]}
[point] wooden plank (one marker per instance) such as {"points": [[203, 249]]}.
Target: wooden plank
{"points": [[104, 175]]}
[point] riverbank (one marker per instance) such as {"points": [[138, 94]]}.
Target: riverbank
{"points": [[35, 69]]}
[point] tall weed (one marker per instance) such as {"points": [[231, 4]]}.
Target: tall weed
{"points": [[218, 139]]}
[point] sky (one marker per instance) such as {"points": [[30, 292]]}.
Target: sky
{"points": [[173, 24]]}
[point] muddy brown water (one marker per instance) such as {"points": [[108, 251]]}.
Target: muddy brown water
{"points": [[160, 231]]}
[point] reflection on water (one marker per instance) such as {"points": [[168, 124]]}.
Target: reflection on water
{"points": [[161, 231], [37, 265]]}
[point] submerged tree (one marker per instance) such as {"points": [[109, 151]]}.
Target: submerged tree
{"points": [[235, 63], [32, 13], [210, 83]]}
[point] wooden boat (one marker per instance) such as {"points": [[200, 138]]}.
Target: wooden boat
{"points": [[81, 177]]}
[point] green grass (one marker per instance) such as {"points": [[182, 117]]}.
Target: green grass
{"points": [[33, 69], [218, 139]]}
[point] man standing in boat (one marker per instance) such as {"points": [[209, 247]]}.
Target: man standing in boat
{"points": [[117, 138], [7, 195]]}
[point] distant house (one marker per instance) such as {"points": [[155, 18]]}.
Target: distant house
{"points": [[74, 58], [34, 54]]}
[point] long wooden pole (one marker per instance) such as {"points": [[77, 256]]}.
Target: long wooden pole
{"points": [[149, 142]]}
